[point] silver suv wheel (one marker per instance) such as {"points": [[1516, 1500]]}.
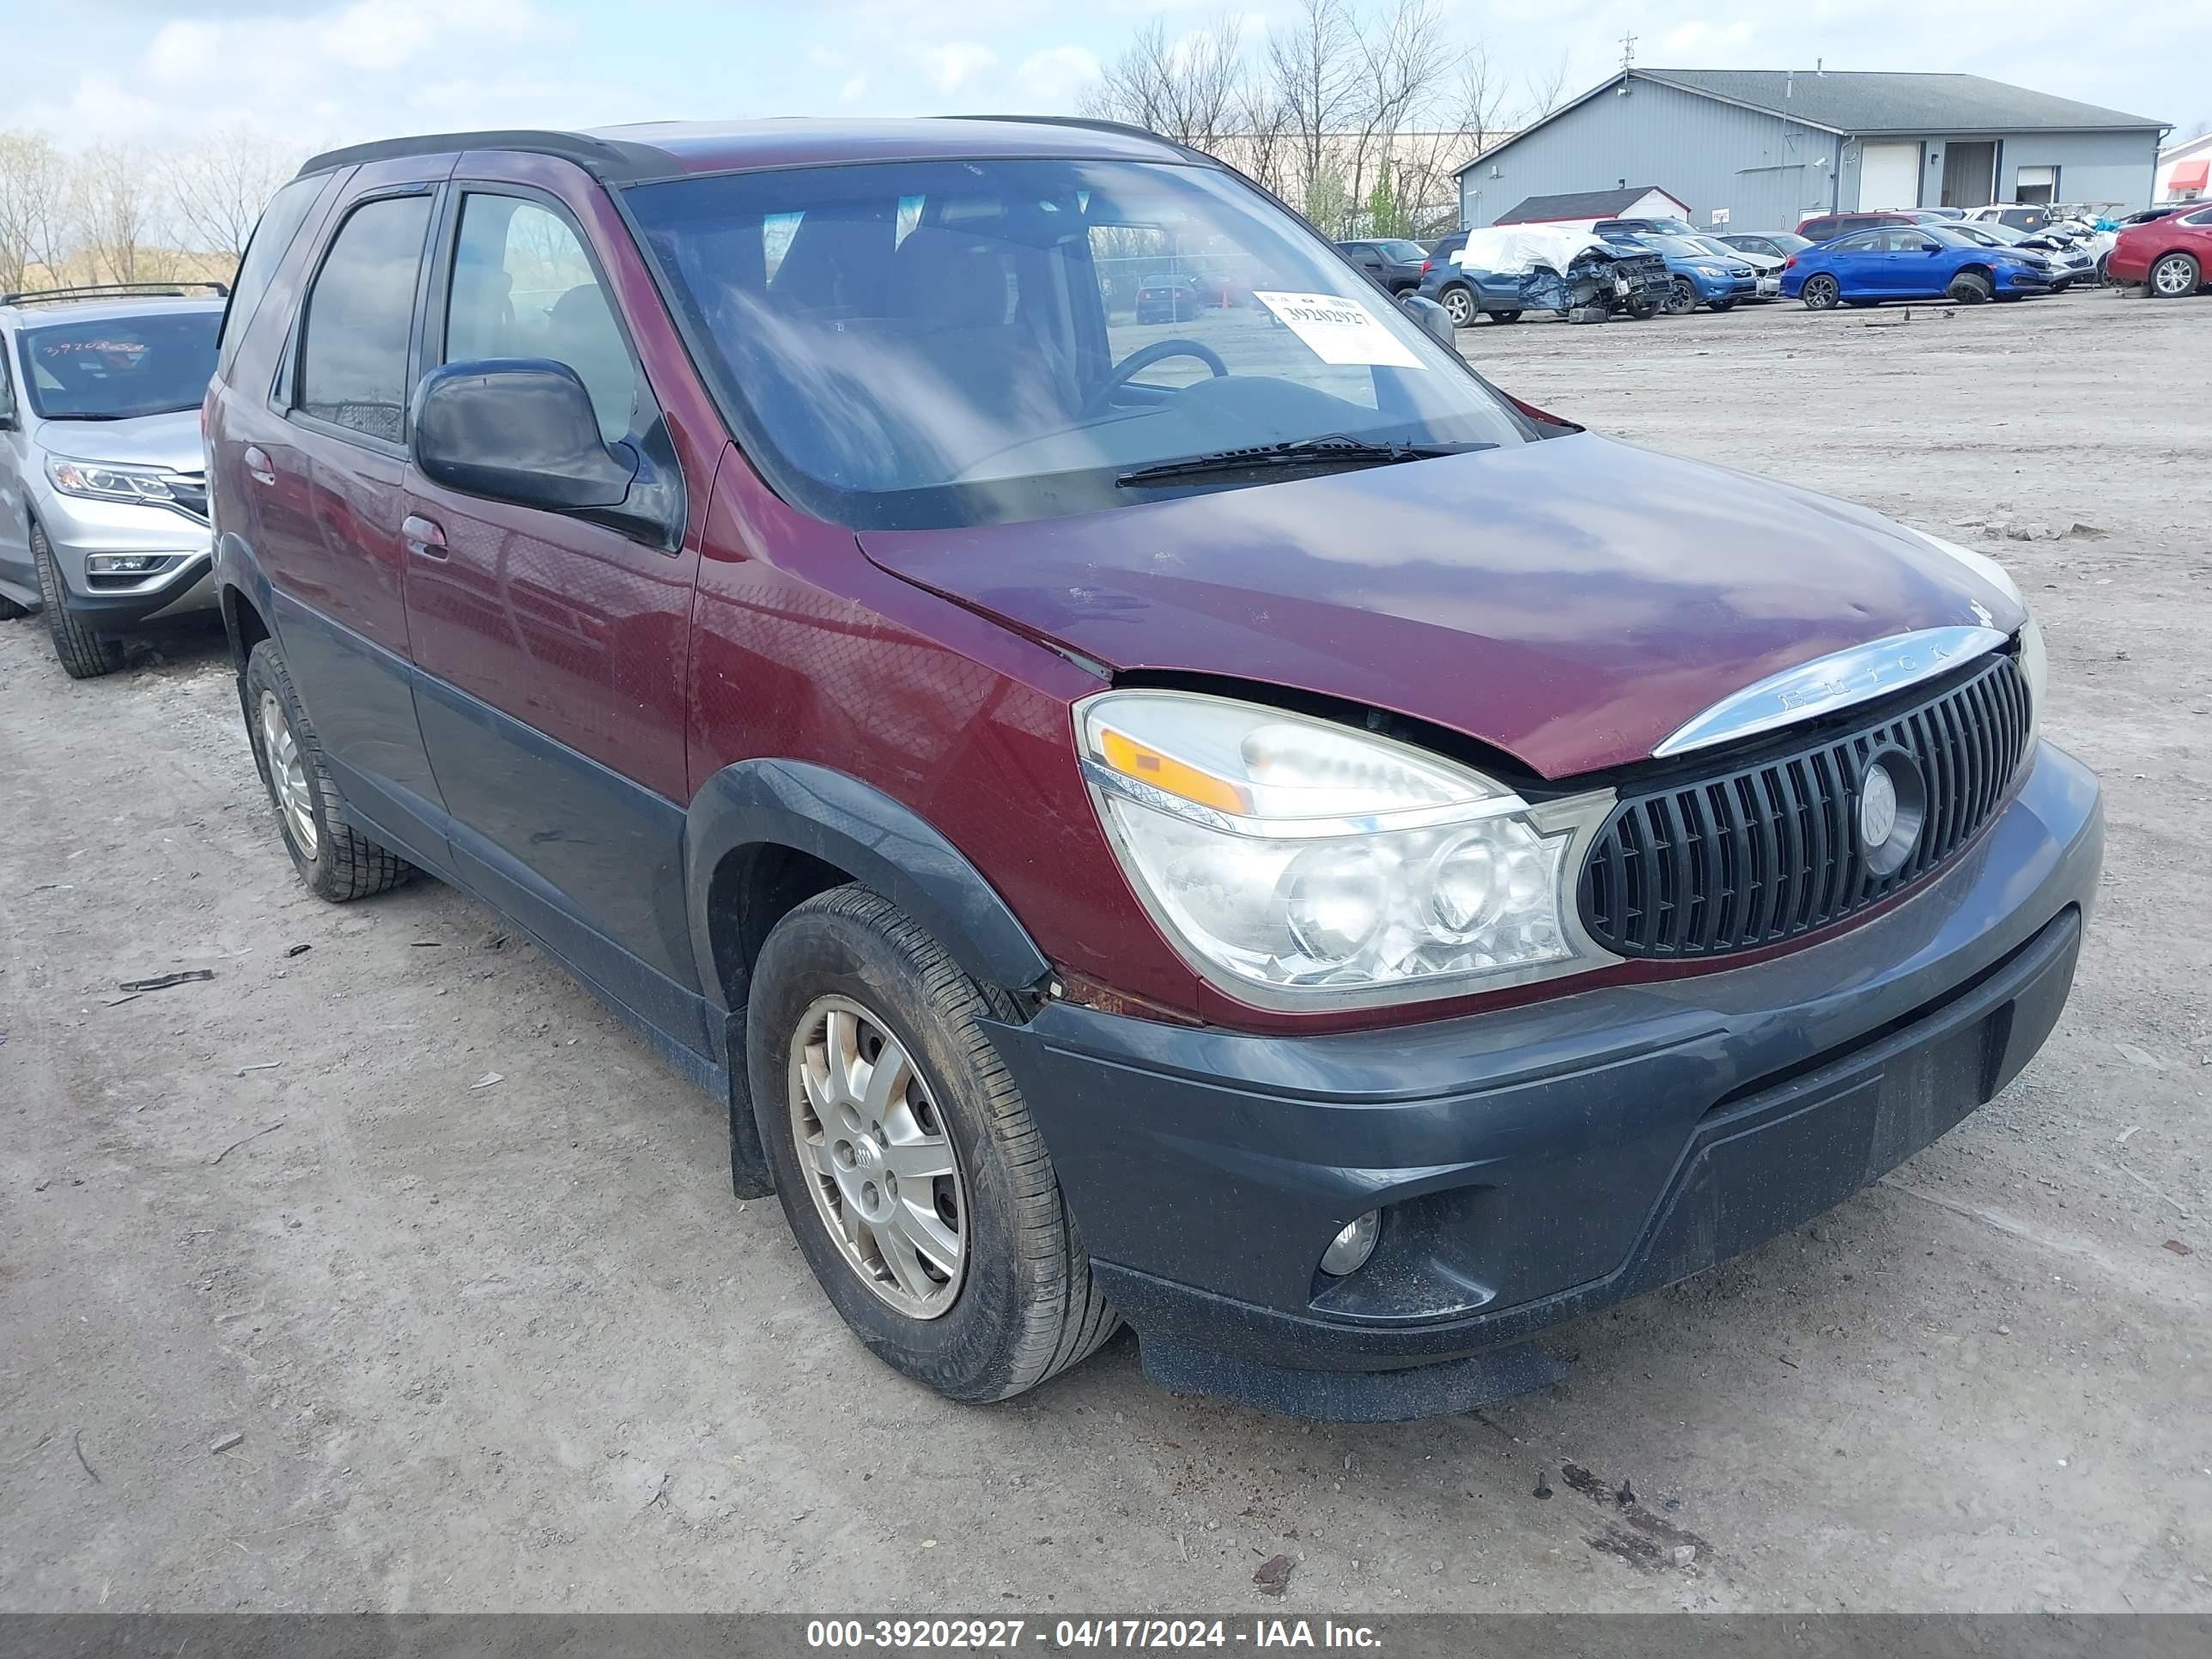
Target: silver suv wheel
{"points": [[883, 1175], [288, 773]]}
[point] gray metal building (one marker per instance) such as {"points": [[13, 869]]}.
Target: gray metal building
{"points": [[1769, 147]]}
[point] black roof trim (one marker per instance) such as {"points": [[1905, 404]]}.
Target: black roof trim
{"points": [[612, 160], [147, 290]]}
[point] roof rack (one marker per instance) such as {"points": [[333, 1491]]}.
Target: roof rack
{"points": [[95, 290], [611, 160]]}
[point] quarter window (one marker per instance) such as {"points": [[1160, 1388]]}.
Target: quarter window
{"points": [[353, 348], [523, 287], [279, 222]]}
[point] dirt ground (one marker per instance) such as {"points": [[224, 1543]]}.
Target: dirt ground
{"points": [[515, 1347]]}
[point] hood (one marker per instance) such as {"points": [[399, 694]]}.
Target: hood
{"points": [[1573, 601], [170, 439]]}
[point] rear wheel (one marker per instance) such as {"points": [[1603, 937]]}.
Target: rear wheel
{"points": [[1820, 291], [337, 861], [1971, 288], [11, 611], [1682, 297], [2175, 276], [907, 1164], [1459, 306], [84, 655]]}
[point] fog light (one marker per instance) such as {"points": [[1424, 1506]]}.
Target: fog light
{"points": [[124, 564], [1348, 1251]]}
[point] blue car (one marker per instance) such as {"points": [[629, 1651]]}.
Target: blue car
{"points": [[1696, 275], [1911, 262]]}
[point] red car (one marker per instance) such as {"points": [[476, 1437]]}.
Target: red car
{"points": [[2170, 256], [1252, 833]]}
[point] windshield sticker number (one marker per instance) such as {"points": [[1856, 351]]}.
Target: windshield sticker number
{"points": [[1339, 330]]}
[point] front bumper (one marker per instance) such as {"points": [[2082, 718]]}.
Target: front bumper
{"points": [[1769, 287], [1726, 288], [1541, 1162], [77, 528]]}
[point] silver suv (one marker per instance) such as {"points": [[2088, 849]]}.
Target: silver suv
{"points": [[103, 491]]}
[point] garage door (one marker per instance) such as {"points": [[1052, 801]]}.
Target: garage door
{"points": [[1889, 176]]}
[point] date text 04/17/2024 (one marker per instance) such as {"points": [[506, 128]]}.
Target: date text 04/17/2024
{"points": [[1011, 1635]]}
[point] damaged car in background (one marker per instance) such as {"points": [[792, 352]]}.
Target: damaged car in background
{"points": [[1504, 269]]}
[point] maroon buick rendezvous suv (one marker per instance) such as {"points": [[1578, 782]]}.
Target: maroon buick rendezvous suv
{"points": [[1224, 823]]}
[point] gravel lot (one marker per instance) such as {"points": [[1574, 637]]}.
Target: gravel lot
{"points": [[516, 1347]]}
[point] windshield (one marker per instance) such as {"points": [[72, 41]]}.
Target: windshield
{"points": [[121, 367], [943, 342], [1947, 234], [1714, 244], [1682, 248], [1406, 253]]}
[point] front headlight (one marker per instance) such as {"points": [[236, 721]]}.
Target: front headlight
{"points": [[2032, 666], [1301, 863], [102, 482], [1714, 271]]}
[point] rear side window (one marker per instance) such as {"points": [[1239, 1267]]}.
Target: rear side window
{"points": [[1817, 229], [353, 345], [279, 222]]}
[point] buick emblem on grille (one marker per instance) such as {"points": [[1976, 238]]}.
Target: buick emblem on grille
{"points": [[1892, 805], [1877, 808]]}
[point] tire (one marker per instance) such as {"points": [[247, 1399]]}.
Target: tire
{"points": [[11, 611], [1018, 1303], [1505, 316], [2104, 270], [1641, 310], [1719, 305], [337, 861], [1459, 304], [1820, 292], [1971, 288], [1682, 298], [84, 654], [2173, 276]]}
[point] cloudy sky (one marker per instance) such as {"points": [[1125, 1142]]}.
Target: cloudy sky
{"points": [[319, 71]]}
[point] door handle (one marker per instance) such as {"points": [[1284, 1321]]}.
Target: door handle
{"points": [[424, 539], [258, 467]]}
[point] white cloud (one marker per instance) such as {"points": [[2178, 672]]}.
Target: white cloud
{"points": [[953, 66], [1056, 74], [853, 90]]}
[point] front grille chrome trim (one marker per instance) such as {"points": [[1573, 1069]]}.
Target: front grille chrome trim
{"points": [[1838, 680]]}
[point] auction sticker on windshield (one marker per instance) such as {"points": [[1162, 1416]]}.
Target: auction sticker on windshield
{"points": [[1337, 329]]}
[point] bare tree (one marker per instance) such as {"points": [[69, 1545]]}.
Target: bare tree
{"points": [[1186, 88], [113, 210], [1315, 66], [218, 188], [1547, 90], [34, 208]]}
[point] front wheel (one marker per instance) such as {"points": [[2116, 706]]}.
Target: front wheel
{"points": [[1682, 298], [1820, 291], [1459, 306], [1721, 305], [1505, 316], [337, 861], [907, 1164], [1642, 309], [1971, 288], [2175, 276], [82, 654]]}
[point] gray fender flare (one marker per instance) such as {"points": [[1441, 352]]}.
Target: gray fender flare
{"points": [[761, 804]]}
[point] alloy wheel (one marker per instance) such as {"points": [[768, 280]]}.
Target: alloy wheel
{"points": [[1459, 304], [2173, 276], [288, 774], [1682, 298], [884, 1173]]}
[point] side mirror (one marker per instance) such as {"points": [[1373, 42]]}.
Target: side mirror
{"points": [[521, 429], [1436, 322]]}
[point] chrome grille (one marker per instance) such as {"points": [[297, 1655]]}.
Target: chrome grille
{"points": [[1737, 860]]}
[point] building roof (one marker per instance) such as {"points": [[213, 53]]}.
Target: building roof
{"points": [[1582, 204], [1855, 101], [631, 155]]}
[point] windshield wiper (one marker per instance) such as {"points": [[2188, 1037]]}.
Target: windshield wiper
{"points": [[1298, 453]]}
